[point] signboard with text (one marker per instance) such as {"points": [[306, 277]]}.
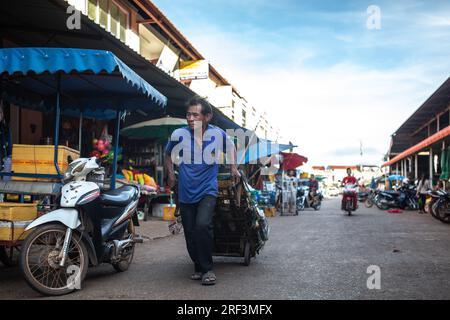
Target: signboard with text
{"points": [[194, 70]]}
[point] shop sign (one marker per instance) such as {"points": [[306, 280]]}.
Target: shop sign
{"points": [[194, 70]]}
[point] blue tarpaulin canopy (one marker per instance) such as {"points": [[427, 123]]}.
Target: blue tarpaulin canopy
{"points": [[396, 177], [91, 83], [94, 82], [263, 148]]}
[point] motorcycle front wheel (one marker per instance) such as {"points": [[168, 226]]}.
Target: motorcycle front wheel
{"points": [[39, 261], [381, 205], [368, 203]]}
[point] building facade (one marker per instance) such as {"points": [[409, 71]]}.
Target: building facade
{"points": [[140, 25]]}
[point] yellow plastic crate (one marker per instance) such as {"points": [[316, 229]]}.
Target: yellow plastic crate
{"points": [[18, 211], [38, 159], [8, 234], [21, 214]]}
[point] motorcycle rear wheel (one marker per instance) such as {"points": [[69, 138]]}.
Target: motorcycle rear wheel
{"points": [[443, 212], [124, 264], [45, 276]]}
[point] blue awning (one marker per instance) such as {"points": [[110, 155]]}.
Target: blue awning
{"points": [[261, 149], [94, 82]]}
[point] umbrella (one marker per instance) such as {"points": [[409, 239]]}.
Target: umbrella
{"points": [[396, 177], [292, 160], [156, 128]]}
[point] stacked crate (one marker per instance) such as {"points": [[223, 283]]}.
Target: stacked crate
{"points": [[14, 217], [38, 159]]}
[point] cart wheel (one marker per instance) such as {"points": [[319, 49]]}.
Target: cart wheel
{"points": [[7, 256], [247, 254]]}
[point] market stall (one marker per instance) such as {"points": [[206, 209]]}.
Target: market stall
{"points": [[145, 158], [89, 84]]}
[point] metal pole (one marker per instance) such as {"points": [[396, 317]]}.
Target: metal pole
{"points": [[431, 166], [396, 168], [57, 122], [80, 132], [116, 148], [416, 167]]}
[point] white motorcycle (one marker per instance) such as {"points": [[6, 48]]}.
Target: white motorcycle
{"points": [[90, 227]]}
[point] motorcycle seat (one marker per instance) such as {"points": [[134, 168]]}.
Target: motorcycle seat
{"points": [[119, 197], [390, 192]]}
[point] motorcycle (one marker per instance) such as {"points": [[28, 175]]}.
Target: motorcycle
{"points": [[404, 198], [440, 205], [372, 198], [349, 193], [90, 227], [363, 196], [303, 201]]}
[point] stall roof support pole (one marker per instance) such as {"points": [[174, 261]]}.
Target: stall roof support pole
{"points": [[116, 149], [431, 167], [80, 132], [416, 167], [57, 122]]}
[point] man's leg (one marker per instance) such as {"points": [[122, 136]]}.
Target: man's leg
{"points": [[204, 233], [188, 216]]}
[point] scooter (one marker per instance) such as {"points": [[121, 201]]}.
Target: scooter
{"points": [[404, 198], [349, 194], [90, 227]]}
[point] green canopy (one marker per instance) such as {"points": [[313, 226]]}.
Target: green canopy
{"points": [[445, 165], [160, 128]]}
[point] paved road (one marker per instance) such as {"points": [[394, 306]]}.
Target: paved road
{"points": [[317, 255]]}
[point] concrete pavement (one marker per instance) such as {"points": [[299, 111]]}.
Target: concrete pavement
{"points": [[316, 255]]}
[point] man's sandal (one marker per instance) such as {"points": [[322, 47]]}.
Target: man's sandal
{"points": [[196, 276], [209, 278]]}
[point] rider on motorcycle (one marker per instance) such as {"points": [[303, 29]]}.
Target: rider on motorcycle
{"points": [[313, 187], [349, 179]]}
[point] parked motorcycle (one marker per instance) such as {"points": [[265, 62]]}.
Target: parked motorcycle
{"points": [[440, 208], [372, 198], [90, 227], [303, 201], [349, 193], [404, 198], [363, 196]]}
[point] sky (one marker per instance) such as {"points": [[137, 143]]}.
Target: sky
{"points": [[333, 83]]}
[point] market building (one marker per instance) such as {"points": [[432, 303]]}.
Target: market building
{"points": [[421, 144], [142, 37]]}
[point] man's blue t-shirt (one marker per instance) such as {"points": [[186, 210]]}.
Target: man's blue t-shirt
{"points": [[198, 166]]}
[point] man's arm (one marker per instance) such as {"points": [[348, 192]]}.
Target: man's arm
{"points": [[168, 163], [230, 149]]}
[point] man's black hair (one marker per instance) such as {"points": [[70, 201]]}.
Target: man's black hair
{"points": [[195, 101]]}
